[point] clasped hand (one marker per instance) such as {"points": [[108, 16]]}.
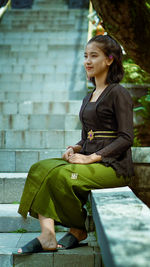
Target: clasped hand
{"points": [[77, 158]]}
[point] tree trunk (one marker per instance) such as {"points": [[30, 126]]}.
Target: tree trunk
{"points": [[129, 23]]}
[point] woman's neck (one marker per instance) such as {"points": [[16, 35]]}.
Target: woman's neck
{"points": [[101, 82]]}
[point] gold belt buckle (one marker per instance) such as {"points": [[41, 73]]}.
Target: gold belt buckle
{"points": [[90, 135]]}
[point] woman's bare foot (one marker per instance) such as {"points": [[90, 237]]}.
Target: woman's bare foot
{"points": [[80, 234], [47, 240]]}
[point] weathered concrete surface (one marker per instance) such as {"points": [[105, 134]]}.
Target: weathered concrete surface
{"points": [[11, 186], [123, 228], [85, 256], [140, 183]]}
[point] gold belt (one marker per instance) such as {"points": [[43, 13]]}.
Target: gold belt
{"points": [[104, 134]]}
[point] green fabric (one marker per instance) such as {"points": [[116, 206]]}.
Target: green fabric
{"points": [[57, 189]]}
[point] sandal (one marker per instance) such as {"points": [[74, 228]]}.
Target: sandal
{"points": [[68, 241], [33, 246]]}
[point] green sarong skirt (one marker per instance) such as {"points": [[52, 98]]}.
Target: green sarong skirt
{"points": [[57, 189]]}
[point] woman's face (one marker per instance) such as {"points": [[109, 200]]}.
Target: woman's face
{"points": [[96, 63]]}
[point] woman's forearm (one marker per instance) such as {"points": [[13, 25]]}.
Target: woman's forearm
{"points": [[95, 158]]}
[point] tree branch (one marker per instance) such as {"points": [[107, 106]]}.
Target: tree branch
{"points": [[129, 23]]}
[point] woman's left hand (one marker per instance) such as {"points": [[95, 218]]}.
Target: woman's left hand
{"points": [[81, 159]]}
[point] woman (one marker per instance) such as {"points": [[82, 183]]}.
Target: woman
{"points": [[57, 189]]}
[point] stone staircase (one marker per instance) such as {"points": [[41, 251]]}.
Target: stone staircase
{"points": [[42, 83]]}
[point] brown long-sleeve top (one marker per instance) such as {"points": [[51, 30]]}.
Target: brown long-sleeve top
{"points": [[113, 111]]}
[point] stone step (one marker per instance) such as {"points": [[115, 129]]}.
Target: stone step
{"points": [[38, 108], [40, 83], [87, 255], [37, 69], [42, 48], [20, 160], [11, 220], [48, 95], [43, 36], [49, 13], [41, 28], [34, 40], [55, 59], [39, 122], [43, 95], [52, 20], [44, 139]]}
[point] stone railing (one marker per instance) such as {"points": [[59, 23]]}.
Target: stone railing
{"points": [[122, 219], [122, 227]]}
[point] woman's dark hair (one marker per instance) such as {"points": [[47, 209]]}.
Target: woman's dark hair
{"points": [[113, 50]]}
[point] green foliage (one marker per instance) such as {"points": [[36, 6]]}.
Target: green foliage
{"points": [[144, 109], [142, 133], [134, 74], [89, 208], [147, 2], [137, 141], [21, 230]]}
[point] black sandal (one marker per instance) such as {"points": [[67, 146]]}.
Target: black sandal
{"points": [[34, 246], [68, 241]]}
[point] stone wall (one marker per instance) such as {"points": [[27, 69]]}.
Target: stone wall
{"points": [[140, 183]]}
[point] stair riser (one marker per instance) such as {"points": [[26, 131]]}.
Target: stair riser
{"points": [[52, 50], [11, 221], [40, 96], [23, 13], [52, 22], [35, 122], [28, 82], [36, 108], [15, 62], [21, 161], [10, 191], [38, 41], [21, 71], [38, 139], [41, 28], [43, 36]]}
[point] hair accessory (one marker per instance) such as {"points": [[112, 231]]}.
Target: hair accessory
{"points": [[110, 56]]}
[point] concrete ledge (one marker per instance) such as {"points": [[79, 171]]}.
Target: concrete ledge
{"points": [[123, 228]]}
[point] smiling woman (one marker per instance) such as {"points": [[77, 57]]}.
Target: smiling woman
{"points": [[57, 189]]}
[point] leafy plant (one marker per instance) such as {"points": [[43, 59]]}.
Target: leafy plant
{"points": [[137, 141], [133, 73], [142, 132], [144, 109]]}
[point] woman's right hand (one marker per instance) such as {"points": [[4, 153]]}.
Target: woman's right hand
{"points": [[69, 152]]}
